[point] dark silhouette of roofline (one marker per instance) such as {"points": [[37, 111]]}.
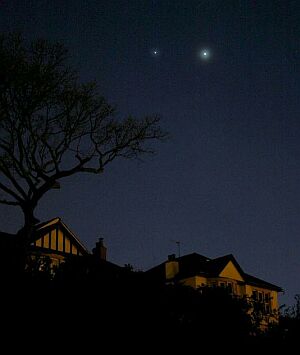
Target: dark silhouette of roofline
{"points": [[208, 267]]}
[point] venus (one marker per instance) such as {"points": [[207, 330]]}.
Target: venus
{"points": [[204, 54]]}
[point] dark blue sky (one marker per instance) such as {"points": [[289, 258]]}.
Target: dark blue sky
{"points": [[228, 179]]}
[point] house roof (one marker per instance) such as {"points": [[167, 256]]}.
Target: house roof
{"points": [[216, 266], [189, 264], [251, 280], [45, 227], [198, 265]]}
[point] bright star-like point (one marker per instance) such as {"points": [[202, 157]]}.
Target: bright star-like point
{"points": [[204, 54], [155, 52]]}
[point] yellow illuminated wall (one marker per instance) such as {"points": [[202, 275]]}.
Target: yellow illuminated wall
{"points": [[53, 239], [67, 245], [56, 240], [230, 276], [60, 244], [74, 250], [172, 269], [195, 281], [38, 243], [231, 272]]}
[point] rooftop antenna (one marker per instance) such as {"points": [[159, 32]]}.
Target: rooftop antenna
{"points": [[178, 246]]}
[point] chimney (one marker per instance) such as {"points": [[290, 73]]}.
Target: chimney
{"points": [[171, 267], [171, 257], [100, 250]]}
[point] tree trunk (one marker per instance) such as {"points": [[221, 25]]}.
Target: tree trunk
{"points": [[24, 238], [25, 233]]}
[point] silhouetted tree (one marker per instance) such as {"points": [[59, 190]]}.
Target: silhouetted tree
{"points": [[52, 126], [288, 329]]}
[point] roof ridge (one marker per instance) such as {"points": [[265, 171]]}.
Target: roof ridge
{"points": [[194, 253], [50, 221], [258, 280]]}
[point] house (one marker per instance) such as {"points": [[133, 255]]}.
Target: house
{"points": [[54, 241], [55, 244], [198, 271]]}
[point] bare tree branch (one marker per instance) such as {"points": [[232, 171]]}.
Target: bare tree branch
{"points": [[52, 126], [10, 203], [10, 192]]}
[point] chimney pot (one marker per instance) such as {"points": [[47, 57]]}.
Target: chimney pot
{"points": [[171, 257], [100, 249]]}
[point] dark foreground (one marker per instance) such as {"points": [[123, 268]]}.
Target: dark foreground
{"points": [[132, 314]]}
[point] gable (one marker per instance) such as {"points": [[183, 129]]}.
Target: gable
{"points": [[56, 238], [231, 272]]}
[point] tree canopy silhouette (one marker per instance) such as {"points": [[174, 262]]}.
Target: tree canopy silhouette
{"points": [[53, 126]]}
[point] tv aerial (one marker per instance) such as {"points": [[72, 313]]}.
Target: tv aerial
{"points": [[178, 246]]}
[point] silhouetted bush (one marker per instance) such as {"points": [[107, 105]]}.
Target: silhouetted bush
{"points": [[127, 306]]}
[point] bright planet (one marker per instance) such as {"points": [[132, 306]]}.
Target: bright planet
{"points": [[205, 54]]}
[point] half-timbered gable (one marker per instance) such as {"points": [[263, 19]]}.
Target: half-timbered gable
{"points": [[55, 240]]}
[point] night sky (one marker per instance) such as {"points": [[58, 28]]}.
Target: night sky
{"points": [[227, 181]]}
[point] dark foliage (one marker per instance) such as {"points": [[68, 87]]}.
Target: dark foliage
{"points": [[90, 304], [129, 308]]}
